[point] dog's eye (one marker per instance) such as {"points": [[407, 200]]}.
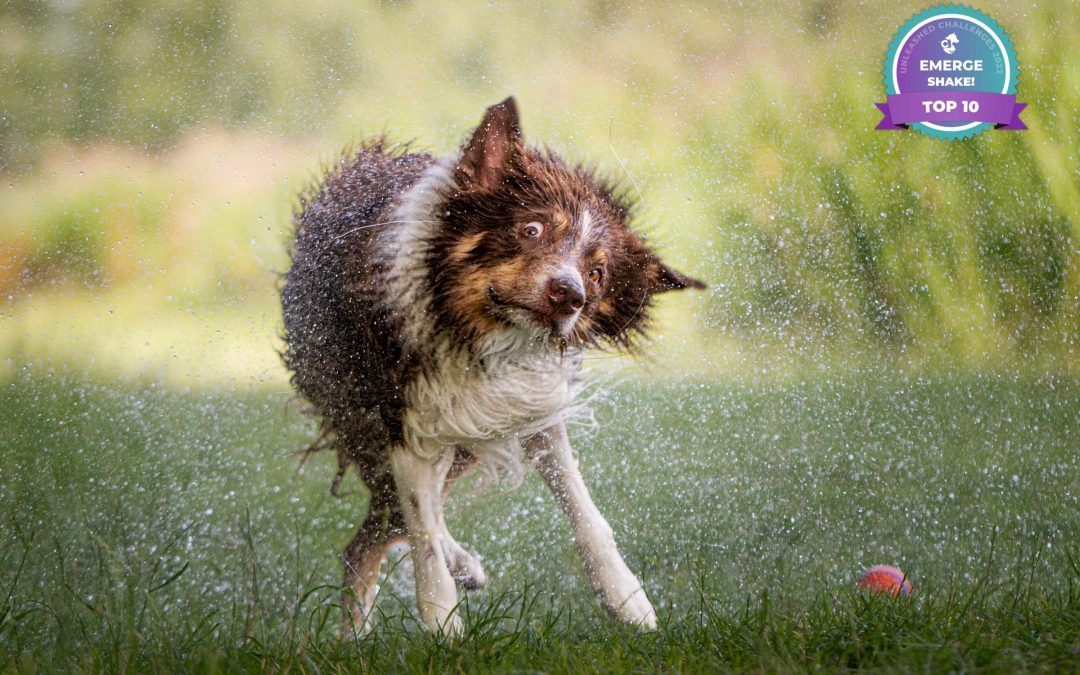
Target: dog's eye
{"points": [[533, 230], [596, 274]]}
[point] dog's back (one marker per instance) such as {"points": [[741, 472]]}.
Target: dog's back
{"points": [[344, 348]]}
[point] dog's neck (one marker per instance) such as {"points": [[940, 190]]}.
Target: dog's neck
{"points": [[406, 244]]}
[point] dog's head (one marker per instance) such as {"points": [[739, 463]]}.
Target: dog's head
{"points": [[531, 243]]}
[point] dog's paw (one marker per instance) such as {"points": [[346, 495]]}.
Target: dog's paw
{"points": [[443, 622], [465, 569], [636, 611]]}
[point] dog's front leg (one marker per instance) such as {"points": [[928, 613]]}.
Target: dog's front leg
{"points": [[419, 483], [611, 579]]}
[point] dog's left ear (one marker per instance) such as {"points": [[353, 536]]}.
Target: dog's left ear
{"points": [[493, 148], [668, 279]]}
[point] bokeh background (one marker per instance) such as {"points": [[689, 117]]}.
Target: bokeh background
{"points": [[882, 371], [152, 153]]}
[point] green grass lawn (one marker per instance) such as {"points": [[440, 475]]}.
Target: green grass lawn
{"points": [[144, 528]]}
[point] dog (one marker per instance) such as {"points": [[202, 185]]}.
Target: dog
{"points": [[436, 312]]}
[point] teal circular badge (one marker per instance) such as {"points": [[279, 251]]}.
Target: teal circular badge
{"points": [[951, 73]]}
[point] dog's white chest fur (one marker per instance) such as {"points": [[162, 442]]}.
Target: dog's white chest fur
{"points": [[489, 403]]}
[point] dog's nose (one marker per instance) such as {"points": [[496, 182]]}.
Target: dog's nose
{"points": [[566, 294]]}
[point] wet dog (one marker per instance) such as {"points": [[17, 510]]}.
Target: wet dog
{"points": [[436, 313]]}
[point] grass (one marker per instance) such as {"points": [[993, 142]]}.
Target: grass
{"points": [[149, 529], [152, 519]]}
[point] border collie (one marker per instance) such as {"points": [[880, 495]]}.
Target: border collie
{"points": [[436, 313]]}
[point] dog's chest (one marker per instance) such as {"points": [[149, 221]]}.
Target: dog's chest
{"points": [[461, 400]]}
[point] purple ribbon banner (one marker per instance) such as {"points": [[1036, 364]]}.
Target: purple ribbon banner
{"points": [[951, 106]]}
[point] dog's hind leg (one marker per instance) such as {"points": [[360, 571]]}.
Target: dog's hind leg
{"points": [[420, 482], [382, 528], [618, 588]]}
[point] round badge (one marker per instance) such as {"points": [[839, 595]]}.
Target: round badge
{"points": [[951, 73]]}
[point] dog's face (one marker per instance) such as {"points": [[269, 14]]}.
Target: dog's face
{"points": [[533, 244]]}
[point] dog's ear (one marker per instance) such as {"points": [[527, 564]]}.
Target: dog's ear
{"points": [[668, 279], [493, 148], [635, 274]]}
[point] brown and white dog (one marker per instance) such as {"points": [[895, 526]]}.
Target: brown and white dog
{"points": [[436, 313]]}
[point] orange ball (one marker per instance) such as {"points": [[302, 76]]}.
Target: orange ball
{"points": [[885, 579]]}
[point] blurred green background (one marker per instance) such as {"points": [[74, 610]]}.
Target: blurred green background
{"points": [[152, 153], [893, 324]]}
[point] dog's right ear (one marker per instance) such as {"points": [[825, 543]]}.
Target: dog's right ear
{"points": [[493, 148]]}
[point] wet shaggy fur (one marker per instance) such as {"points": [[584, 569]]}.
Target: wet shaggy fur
{"points": [[343, 340], [445, 303]]}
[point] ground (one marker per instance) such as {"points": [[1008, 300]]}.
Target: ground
{"points": [[149, 529]]}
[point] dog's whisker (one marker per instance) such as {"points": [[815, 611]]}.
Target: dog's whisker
{"points": [[611, 144], [346, 233], [641, 305]]}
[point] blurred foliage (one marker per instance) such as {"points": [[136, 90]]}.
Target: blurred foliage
{"points": [[159, 146], [142, 74]]}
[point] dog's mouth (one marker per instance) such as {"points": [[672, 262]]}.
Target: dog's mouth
{"points": [[521, 315]]}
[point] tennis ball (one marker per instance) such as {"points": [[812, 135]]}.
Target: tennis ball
{"points": [[885, 579]]}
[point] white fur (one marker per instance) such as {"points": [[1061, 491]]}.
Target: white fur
{"points": [[611, 579], [419, 483], [407, 245], [584, 225], [490, 401]]}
